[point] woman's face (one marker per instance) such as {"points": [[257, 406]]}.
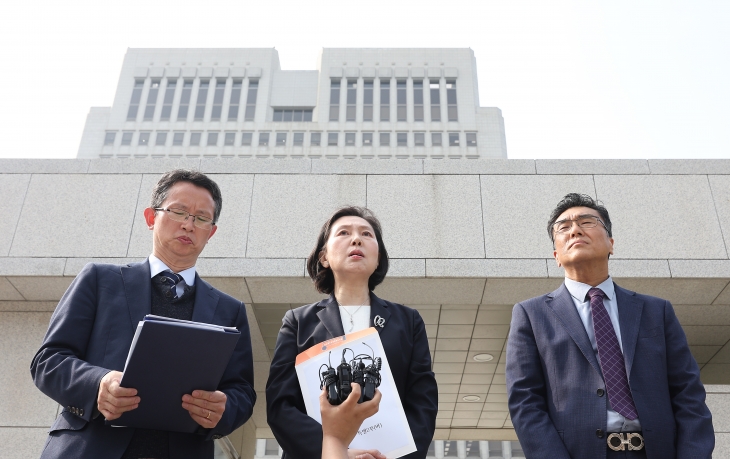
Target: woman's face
{"points": [[351, 250]]}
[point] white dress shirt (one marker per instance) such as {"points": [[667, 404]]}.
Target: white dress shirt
{"points": [[157, 266], [579, 291]]}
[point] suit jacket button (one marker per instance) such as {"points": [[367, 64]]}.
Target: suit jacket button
{"points": [[81, 412], [600, 392], [599, 433]]}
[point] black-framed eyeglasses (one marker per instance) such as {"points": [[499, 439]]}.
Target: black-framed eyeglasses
{"points": [[583, 221], [180, 215]]}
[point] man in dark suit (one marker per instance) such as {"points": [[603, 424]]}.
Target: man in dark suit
{"points": [[594, 370], [91, 330]]}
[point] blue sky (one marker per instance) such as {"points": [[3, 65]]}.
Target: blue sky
{"points": [[603, 79]]}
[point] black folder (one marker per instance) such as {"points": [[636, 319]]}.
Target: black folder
{"points": [[169, 358]]}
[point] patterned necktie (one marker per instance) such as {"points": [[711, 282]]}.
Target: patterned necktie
{"points": [[611, 358], [170, 279]]}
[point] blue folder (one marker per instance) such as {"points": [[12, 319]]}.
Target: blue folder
{"points": [[169, 358]]}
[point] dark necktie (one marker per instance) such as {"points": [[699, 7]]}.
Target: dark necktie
{"points": [[170, 279], [611, 358]]}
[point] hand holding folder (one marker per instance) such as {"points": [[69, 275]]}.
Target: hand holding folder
{"points": [[168, 359]]}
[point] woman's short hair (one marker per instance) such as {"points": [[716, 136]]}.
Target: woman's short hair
{"points": [[324, 279]]}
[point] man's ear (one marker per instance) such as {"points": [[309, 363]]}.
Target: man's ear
{"points": [[557, 259], [149, 217]]}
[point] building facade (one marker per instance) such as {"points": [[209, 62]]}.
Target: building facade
{"points": [[359, 103]]}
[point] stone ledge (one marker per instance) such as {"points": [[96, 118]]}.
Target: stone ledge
{"points": [[255, 166], [700, 268], [26, 266], [625, 268], [407, 267], [43, 166], [251, 267], [479, 166], [591, 166], [141, 166], [689, 166], [368, 166], [486, 268], [75, 265]]}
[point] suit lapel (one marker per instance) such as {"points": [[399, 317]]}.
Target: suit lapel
{"points": [[563, 306], [138, 290], [329, 315], [630, 309], [378, 309], [206, 301]]}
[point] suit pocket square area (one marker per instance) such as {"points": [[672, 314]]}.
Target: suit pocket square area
{"points": [[652, 332]]}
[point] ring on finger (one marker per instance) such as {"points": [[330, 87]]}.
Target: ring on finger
{"points": [[208, 417]]}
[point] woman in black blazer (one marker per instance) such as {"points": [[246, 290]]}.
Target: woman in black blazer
{"points": [[348, 262]]}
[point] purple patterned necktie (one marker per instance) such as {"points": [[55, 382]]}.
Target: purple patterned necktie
{"points": [[611, 358]]}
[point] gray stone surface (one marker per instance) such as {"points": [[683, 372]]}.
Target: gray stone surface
{"points": [[428, 216], [479, 166], [75, 265], [308, 199], [369, 167], [140, 240], [715, 373], [689, 166], [719, 405], [407, 267], [12, 196], [702, 314], [656, 216], [24, 266], [677, 291], [491, 267], [624, 268], [255, 166], [22, 403], [431, 291], [234, 286], [720, 185], [230, 238], [27, 306], [8, 292], [512, 291], [722, 445], [41, 288], [592, 166], [277, 290], [724, 297], [251, 267], [43, 166], [22, 442], [707, 335], [83, 216], [700, 268], [517, 208], [722, 356], [141, 166]]}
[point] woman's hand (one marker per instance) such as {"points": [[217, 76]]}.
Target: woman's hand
{"points": [[341, 422]]}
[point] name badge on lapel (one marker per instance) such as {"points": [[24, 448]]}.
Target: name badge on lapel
{"points": [[378, 321]]}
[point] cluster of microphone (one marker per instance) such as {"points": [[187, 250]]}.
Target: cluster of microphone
{"points": [[362, 369]]}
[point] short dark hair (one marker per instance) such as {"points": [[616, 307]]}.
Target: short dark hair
{"points": [[197, 178], [578, 200], [324, 279]]}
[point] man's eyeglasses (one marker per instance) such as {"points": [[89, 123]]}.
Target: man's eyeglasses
{"points": [[583, 222], [180, 215]]}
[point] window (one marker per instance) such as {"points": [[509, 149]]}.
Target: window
{"points": [[202, 99], [263, 139], [367, 107], [298, 139], [385, 139], [127, 138], [472, 449], [272, 448], [384, 100], [195, 138], [161, 139], [451, 100], [419, 139], [230, 139], [517, 449], [453, 139], [182, 111], [304, 114], [167, 100], [109, 138], [436, 139], [253, 88], [136, 97], [471, 139], [401, 100], [435, 101], [177, 139], [220, 89], [367, 139], [351, 99], [335, 100], [418, 100], [281, 139], [332, 138], [149, 110], [246, 138], [315, 139], [350, 139], [402, 138], [235, 100], [212, 139], [144, 139]]}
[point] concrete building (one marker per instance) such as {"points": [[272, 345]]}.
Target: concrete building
{"points": [[460, 255], [359, 103]]}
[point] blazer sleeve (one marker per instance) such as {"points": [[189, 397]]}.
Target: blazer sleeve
{"points": [[695, 434], [295, 431], [526, 389], [420, 400], [237, 381], [58, 368]]}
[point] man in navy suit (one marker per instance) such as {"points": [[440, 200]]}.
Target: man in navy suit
{"points": [[596, 371], [91, 330]]}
